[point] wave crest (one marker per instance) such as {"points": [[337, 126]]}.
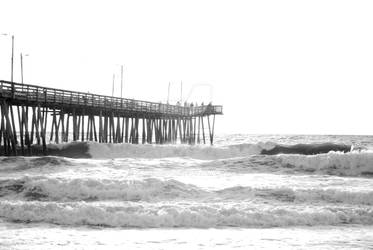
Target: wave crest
{"points": [[183, 215], [104, 151], [108, 150], [349, 164], [151, 189], [157, 190]]}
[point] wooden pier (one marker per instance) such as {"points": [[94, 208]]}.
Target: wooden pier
{"points": [[78, 116]]}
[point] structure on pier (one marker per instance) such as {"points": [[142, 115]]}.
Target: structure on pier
{"points": [[30, 113]]}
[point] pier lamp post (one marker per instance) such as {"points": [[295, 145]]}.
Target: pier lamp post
{"points": [[181, 92], [12, 58], [22, 68], [168, 92], [112, 89], [121, 80], [22, 55], [12, 62]]}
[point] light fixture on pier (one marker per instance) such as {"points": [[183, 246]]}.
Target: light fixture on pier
{"points": [[12, 58], [22, 55]]}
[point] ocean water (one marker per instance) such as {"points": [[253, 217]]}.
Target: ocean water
{"points": [[226, 196]]}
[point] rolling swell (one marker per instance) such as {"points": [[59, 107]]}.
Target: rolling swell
{"points": [[47, 189], [307, 149], [21, 163], [355, 163], [104, 151], [155, 190], [333, 163], [183, 215]]}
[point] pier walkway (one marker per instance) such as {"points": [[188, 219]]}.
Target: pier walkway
{"points": [[118, 120]]}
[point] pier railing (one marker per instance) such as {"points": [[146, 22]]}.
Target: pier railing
{"points": [[27, 93]]}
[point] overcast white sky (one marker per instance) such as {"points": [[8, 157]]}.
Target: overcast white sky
{"points": [[276, 66]]}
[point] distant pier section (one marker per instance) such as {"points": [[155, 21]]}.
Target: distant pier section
{"points": [[32, 116]]}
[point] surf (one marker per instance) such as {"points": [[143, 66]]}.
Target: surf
{"points": [[106, 150], [182, 215], [158, 190]]}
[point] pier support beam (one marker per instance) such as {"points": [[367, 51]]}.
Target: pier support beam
{"points": [[29, 128]]}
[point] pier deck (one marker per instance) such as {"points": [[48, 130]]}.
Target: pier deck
{"points": [[118, 120]]}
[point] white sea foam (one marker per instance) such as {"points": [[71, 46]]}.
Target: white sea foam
{"points": [[21, 163], [97, 150], [333, 163], [151, 186], [206, 158], [345, 164], [183, 215], [297, 196], [100, 151], [155, 190], [97, 189]]}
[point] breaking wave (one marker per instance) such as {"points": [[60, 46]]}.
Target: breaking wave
{"points": [[333, 163], [155, 190], [104, 151], [101, 151], [206, 152], [349, 164], [21, 163], [125, 185], [355, 163], [42, 188], [183, 214]]}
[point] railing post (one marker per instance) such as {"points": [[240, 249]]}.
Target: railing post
{"points": [[13, 89], [45, 95]]}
